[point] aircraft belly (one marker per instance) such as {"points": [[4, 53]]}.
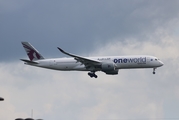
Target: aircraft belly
{"points": [[65, 66], [69, 66], [80, 68]]}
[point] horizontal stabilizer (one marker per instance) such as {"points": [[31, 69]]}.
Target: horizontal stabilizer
{"points": [[30, 62]]}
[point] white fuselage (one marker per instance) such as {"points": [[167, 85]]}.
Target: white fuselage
{"points": [[121, 62]]}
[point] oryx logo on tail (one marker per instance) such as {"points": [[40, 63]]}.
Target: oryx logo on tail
{"points": [[32, 53]]}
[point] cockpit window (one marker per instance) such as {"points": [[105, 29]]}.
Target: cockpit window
{"points": [[156, 59]]}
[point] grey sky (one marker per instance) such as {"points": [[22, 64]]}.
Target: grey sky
{"points": [[104, 27], [70, 24]]}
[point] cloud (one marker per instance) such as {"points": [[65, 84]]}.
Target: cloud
{"points": [[73, 95]]}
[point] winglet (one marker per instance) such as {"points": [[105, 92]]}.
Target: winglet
{"points": [[61, 50], [66, 52]]}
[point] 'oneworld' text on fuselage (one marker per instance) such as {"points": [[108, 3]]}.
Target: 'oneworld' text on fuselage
{"points": [[140, 60]]}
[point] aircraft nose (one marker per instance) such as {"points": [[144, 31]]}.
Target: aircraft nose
{"points": [[161, 63]]}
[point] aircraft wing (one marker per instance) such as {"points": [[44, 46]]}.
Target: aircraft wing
{"points": [[86, 61]]}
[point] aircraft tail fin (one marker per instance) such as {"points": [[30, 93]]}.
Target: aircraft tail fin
{"points": [[32, 53]]}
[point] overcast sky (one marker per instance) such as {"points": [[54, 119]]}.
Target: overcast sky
{"points": [[89, 28]]}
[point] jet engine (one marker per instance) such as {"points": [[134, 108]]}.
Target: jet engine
{"points": [[109, 68]]}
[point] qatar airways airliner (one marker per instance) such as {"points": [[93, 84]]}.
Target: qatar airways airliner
{"points": [[107, 64]]}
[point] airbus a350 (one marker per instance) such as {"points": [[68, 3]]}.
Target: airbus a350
{"points": [[107, 64]]}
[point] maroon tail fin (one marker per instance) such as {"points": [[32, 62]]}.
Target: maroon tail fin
{"points": [[32, 53]]}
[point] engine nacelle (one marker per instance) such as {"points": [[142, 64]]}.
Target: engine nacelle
{"points": [[109, 68], [114, 72]]}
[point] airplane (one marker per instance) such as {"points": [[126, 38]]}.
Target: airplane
{"points": [[107, 64]]}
